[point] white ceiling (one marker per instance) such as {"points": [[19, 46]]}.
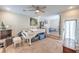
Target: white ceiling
{"points": [[50, 9]]}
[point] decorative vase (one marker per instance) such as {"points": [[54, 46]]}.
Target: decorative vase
{"points": [[3, 26]]}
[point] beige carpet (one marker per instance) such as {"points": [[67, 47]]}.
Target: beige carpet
{"points": [[47, 45]]}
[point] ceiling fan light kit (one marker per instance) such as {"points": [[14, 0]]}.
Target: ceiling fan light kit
{"points": [[37, 9]]}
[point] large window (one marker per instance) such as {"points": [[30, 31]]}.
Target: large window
{"points": [[69, 34], [70, 29]]}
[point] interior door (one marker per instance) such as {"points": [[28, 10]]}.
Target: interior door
{"points": [[69, 34]]}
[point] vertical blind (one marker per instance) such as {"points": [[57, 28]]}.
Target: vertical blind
{"points": [[69, 35]]}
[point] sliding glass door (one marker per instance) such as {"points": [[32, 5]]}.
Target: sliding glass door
{"points": [[69, 34]]}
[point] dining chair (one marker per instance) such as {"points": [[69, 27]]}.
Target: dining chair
{"points": [[27, 37], [17, 40]]}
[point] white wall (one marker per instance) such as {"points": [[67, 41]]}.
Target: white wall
{"points": [[16, 22], [53, 21]]}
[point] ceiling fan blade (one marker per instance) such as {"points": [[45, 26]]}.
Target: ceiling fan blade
{"points": [[34, 6], [42, 11], [37, 7], [43, 7], [28, 10]]}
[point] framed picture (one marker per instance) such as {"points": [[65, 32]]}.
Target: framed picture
{"points": [[33, 22]]}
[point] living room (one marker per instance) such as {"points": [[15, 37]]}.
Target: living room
{"points": [[44, 23]]}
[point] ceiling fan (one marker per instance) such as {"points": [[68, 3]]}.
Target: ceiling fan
{"points": [[36, 8]]}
